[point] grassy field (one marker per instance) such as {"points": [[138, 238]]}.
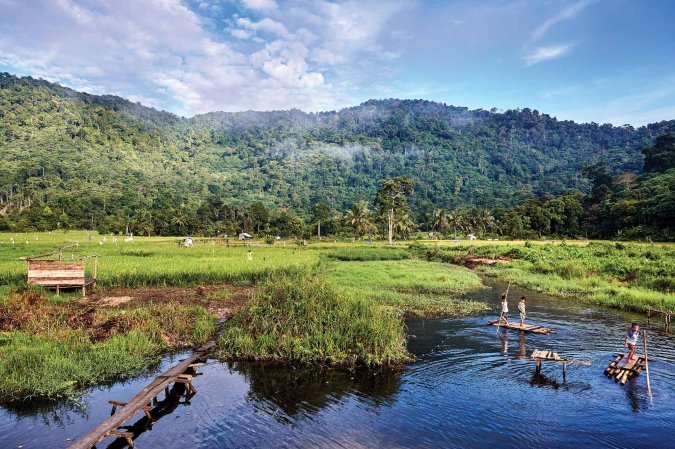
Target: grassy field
{"points": [[622, 275], [416, 287], [329, 302], [154, 261], [311, 306]]}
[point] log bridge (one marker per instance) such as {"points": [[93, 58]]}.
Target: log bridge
{"points": [[629, 370], [182, 373], [539, 356], [525, 328]]}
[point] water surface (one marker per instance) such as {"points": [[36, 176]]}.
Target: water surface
{"points": [[467, 388]]}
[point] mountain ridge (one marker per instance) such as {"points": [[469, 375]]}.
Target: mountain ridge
{"points": [[119, 158]]}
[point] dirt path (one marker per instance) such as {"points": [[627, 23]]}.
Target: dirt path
{"points": [[218, 299]]}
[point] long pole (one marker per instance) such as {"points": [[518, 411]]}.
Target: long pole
{"points": [[506, 295], [644, 339]]}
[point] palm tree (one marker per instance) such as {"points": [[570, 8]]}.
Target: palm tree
{"points": [[441, 221], [403, 225], [360, 219]]}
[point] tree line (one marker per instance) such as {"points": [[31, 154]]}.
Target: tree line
{"points": [[628, 205]]}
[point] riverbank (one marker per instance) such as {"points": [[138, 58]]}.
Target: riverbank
{"points": [[620, 275], [340, 305]]}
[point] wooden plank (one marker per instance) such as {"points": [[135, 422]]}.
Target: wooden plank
{"points": [[55, 273], [137, 403], [57, 282], [536, 329], [54, 265]]}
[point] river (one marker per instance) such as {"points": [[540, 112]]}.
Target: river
{"points": [[467, 388]]}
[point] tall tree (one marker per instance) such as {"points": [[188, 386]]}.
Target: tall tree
{"points": [[391, 197], [320, 213]]}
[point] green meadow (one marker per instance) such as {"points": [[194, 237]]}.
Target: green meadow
{"points": [[627, 276], [331, 303]]}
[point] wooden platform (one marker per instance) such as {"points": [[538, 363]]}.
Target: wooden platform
{"points": [[142, 402], [526, 328], [539, 356], [622, 372]]}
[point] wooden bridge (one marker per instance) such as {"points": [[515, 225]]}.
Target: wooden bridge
{"points": [[182, 373]]}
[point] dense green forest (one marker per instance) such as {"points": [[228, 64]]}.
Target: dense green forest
{"points": [[74, 160]]}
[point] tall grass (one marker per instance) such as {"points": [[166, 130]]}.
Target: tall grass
{"points": [[625, 276], [305, 319]]}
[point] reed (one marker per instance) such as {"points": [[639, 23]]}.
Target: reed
{"points": [[306, 319]]}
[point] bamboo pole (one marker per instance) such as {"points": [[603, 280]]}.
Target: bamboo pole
{"points": [[644, 339]]}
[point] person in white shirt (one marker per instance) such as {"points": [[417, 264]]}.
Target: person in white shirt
{"points": [[505, 310], [631, 340]]}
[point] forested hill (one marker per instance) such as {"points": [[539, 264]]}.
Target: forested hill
{"points": [[99, 161]]}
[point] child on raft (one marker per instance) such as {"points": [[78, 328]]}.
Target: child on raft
{"points": [[505, 310], [631, 340], [521, 309]]}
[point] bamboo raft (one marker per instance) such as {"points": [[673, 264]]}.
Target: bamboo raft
{"points": [[525, 328], [181, 373], [624, 372], [539, 356]]}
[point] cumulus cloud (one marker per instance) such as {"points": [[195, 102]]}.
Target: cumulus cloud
{"points": [[168, 55], [546, 53]]}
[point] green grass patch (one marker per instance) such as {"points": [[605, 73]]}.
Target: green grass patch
{"points": [[417, 287], [368, 254], [624, 276], [305, 319], [52, 351]]}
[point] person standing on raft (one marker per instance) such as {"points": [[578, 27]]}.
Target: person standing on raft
{"points": [[631, 340], [505, 310], [521, 309]]}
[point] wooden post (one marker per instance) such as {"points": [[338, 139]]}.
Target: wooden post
{"points": [[564, 372], [95, 269], [644, 339]]}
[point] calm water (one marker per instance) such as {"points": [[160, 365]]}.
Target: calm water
{"points": [[466, 389]]}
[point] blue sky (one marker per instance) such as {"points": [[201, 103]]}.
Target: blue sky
{"points": [[607, 61]]}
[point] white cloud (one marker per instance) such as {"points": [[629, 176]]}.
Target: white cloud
{"points": [[164, 54], [262, 5], [563, 15], [546, 53]]}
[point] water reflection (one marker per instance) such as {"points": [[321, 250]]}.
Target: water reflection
{"points": [[469, 387], [299, 391]]}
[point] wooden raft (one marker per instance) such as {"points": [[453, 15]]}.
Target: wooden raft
{"points": [[624, 372], [181, 373], [525, 328]]}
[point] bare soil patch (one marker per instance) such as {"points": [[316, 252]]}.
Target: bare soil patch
{"points": [[31, 309], [215, 298]]}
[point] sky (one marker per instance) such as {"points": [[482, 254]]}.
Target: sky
{"points": [[604, 61]]}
